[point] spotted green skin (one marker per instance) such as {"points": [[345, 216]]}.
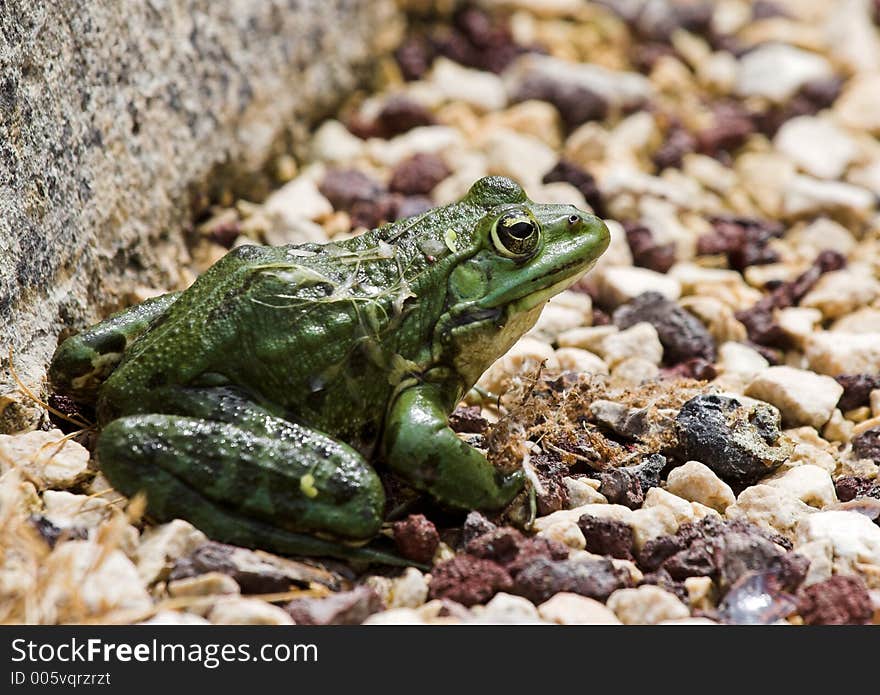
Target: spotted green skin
{"points": [[254, 403]]}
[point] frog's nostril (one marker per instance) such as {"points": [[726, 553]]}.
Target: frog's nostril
{"points": [[574, 219]]}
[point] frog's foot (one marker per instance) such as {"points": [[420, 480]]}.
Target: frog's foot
{"points": [[260, 482], [84, 361], [420, 447]]}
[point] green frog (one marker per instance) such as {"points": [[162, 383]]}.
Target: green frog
{"points": [[253, 403]]}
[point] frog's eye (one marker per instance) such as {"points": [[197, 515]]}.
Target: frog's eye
{"points": [[515, 235]]}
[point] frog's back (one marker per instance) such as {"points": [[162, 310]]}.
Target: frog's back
{"points": [[311, 330]]}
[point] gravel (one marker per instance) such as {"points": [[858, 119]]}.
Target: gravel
{"points": [[702, 411]]}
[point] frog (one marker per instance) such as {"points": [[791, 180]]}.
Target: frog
{"points": [[259, 403]]}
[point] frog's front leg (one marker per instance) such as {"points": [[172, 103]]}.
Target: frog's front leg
{"points": [[420, 447], [84, 361], [245, 476]]}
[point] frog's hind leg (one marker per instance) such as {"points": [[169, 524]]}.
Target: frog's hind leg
{"points": [[255, 480], [84, 361]]}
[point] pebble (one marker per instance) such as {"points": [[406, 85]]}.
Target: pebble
{"points": [[803, 397], [697, 482], [68, 511], [431, 139], [47, 457], [506, 150], [161, 546], [859, 105], [808, 483], [646, 605], [480, 89], [639, 341], [836, 601], [526, 353], [581, 493], [838, 352], [332, 142], [82, 575], [776, 71], [342, 608], [804, 196], [854, 538], [543, 578], [583, 361], [842, 292], [739, 443], [620, 285], [409, 590], [208, 584], [508, 609], [681, 334], [771, 509], [298, 200], [615, 87], [563, 312], [247, 611], [572, 609], [816, 145]]}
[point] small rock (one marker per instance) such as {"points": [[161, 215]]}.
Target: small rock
{"points": [[607, 537], [803, 397], [739, 443], [569, 172], [47, 457], [468, 419], [859, 105], [646, 605], [332, 142], [400, 114], [646, 251], [512, 550], [582, 361], [344, 608], [572, 609], [297, 200], [161, 546], [565, 533], [804, 196], [680, 333], [857, 390], [468, 580], [810, 484], [756, 599], [247, 611], [777, 71], [616, 88], [620, 285], [418, 174], [581, 493], [854, 538], [69, 511], [508, 609], [256, 572], [83, 578], [817, 146], [409, 590], [836, 601], [842, 292], [698, 483], [479, 89], [430, 139], [344, 188], [640, 341], [207, 584], [527, 353], [770, 508], [575, 103], [506, 151], [544, 578], [416, 538], [837, 352]]}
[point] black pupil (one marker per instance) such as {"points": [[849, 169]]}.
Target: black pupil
{"points": [[520, 230]]}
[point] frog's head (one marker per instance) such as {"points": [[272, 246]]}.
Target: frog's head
{"points": [[519, 255]]}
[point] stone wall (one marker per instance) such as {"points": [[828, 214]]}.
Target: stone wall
{"points": [[116, 117]]}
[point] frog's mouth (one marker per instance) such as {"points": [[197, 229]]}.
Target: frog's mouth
{"points": [[566, 256]]}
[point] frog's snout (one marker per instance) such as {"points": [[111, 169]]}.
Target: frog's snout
{"points": [[591, 230]]}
